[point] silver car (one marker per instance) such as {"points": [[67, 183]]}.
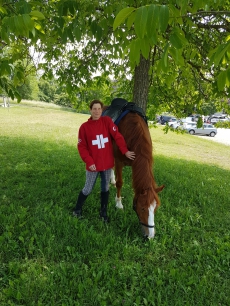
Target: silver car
{"points": [[207, 129]]}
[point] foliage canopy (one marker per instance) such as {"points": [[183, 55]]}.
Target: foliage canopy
{"points": [[174, 52]]}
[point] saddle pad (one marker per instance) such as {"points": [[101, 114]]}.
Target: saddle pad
{"points": [[121, 116]]}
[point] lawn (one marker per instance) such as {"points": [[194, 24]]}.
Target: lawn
{"points": [[47, 257]]}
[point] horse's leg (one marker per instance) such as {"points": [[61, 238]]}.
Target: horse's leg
{"points": [[119, 183], [112, 178]]}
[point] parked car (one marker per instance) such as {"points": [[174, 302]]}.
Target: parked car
{"points": [[166, 119], [178, 124], [207, 129], [215, 119], [188, 124], [174, 124], [172, 121], [194, 118]]}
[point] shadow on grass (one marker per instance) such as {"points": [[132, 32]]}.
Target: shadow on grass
{"points": [[40, 182]]}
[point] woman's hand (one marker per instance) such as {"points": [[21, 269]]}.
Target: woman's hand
{"points": [[92, 168], [131, 155]]}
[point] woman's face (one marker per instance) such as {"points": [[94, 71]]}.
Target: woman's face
{"points": [[96, 111]]}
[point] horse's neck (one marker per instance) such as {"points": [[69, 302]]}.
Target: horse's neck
{"points": [[142, 175]]}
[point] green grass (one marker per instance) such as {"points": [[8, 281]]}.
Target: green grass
{"points": [[47, 257]]}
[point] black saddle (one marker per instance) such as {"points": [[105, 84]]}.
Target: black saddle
{"points": [[115, 109], [120, 107]]}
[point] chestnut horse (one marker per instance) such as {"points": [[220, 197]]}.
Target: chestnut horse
{"points": [[137, 136]]}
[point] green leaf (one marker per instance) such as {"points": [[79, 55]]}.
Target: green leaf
{"points": [[169, 80], [175, 41], [122, 15], [3, 10], [165, 55], [11, 94], [145, 47], [19, 25], [72, 7], [25, 29], [131, 19], [175, 14], [221, 81], [134, 54], [77, 33], [98, 33], [5, 68], [183, 6], [93, 27], [164, 67], [176, 55], [153, 38], [17, 95], [228, 77], [60, 9], [152, 20], [177, 38], [163, 18], [37, 15], [64, 36], [39, 28], [24, 7], [140, 21], [61, 22], [193, 54], [4, 35], [29, 23], [70, 34], [159, 67], [221, 50]]}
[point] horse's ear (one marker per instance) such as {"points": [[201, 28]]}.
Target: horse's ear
{"points": [[159, 189]]}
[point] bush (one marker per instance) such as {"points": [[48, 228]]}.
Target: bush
{"points": [[223, 124]]}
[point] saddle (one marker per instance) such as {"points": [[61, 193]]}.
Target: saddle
{"points": [[120, 107]]}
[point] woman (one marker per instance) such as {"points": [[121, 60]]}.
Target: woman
{"points": [[96, 150]]}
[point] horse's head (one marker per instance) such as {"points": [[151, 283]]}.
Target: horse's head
{"points": [[145, 205]]}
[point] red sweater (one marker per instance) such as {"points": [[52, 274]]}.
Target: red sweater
{"points": [[95, 143]]}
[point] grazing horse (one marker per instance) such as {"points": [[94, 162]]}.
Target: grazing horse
{"points": [[136, 134]]}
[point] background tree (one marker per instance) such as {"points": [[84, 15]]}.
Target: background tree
{"points": [[52, 92], [159, 48], [29, 90], [47, 90]]}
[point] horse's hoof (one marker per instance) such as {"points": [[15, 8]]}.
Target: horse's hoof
{"points": [[120, 206]]}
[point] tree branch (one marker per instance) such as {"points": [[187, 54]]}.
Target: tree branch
{"points": [[198, 68]]}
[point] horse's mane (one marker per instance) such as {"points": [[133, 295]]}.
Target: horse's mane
{"points": [[138, 139]]}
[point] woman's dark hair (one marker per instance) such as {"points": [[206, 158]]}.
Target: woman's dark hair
{"points": [[95, 102]]}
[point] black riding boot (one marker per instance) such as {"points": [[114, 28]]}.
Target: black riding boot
{"points": [[80, 201], [104, 204]]}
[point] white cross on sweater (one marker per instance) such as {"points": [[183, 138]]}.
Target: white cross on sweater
{"points": [[100, 141]]}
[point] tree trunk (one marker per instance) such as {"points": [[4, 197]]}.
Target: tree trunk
{"points": [[141, 83]]}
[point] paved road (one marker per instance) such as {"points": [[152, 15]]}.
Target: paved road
{"points": [[222, 136]]}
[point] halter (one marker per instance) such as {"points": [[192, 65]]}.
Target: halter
{"points": [[146, 225], [134, 208]]}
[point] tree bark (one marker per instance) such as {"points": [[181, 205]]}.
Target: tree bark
{"points": [[141, 83]]}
